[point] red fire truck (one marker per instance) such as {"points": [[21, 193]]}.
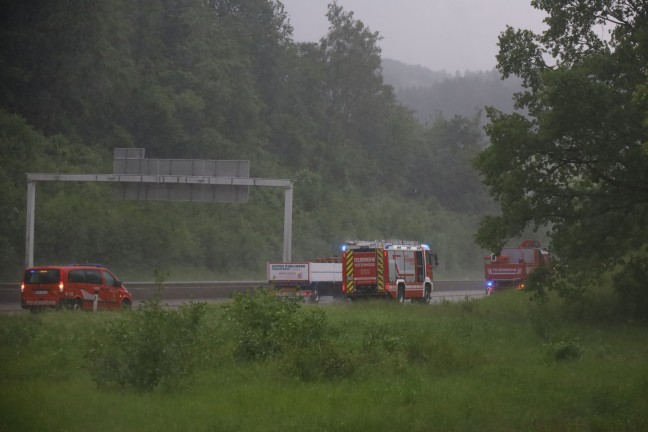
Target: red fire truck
{"points": [[396, 268], [512, 265]]}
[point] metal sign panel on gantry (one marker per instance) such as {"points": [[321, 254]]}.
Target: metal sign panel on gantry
{"points": [[131, 161]]}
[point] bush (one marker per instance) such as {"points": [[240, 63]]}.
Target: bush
{"points": [[564, 349], [263, 324], [148, 346], [319, 360], [266, 326]]}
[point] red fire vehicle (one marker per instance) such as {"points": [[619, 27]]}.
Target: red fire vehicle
{"points": [[512, 265], [76, 286], [396, 268]]}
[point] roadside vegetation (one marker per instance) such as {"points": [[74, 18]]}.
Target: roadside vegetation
{"points": [[261, 364]]}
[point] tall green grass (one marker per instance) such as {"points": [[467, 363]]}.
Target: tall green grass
{"points": [[502, 363]]}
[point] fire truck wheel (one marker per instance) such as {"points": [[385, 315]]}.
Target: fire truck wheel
{"points": [[401, 294], [428, 295]]}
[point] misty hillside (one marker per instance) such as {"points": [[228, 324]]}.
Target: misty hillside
{"points": [[433, 93], [401, 75]]}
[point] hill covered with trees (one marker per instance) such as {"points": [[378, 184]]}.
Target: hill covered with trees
{"points": [[221, 79], [437, 93]]}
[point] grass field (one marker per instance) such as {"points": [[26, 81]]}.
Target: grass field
{"points": [[502, 363]]}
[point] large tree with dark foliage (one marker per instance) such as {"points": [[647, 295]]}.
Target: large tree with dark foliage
{"points": [[578, 163]]}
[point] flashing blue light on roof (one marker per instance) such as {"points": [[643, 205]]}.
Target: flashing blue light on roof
{"points": [[425, 246], [489, 283], [343, 248]]}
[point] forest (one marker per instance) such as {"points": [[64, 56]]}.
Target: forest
{"points": [[222, 80]]}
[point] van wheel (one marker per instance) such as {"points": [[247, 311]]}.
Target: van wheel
{"points": [[77, 305], [126, 304], [401, 294]]}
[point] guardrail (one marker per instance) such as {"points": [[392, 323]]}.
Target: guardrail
{"points": [[189, 290], [10, 292]]}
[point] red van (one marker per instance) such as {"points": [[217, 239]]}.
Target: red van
{"points": [[73, 286]]}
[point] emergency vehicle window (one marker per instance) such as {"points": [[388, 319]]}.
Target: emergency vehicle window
{"points": [[431, 259], [110, 280], [420, 270], [77, 276], [93, 276], [42, 276]]}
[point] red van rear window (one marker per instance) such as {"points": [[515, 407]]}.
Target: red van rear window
{"points": [[45, 276]]}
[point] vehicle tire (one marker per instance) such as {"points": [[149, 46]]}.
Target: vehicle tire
{"points": [[316, 296], [428, 295], [126, 304], [76, 304], [401, 294]]}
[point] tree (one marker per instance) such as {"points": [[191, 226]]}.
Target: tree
{"points": [[352, 55], [66, 66], [578, 162], [364, 122], [442, 167], [197, 89]]}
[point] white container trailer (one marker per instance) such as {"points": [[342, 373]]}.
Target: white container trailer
{"points": [[307, 279]]}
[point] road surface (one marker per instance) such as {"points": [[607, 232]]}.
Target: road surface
{"points": [[177, 293]]}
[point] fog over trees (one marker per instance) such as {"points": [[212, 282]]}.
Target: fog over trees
{"points": [[438, 93]]}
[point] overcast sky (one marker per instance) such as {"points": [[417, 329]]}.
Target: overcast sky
{"points": [[451, 35]]}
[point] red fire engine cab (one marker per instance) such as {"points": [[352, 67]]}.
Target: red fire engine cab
{"points": [[512, 265], [395, 268]]}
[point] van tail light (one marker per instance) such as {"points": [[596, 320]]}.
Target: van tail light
{"points": [[60, 286], [22, 287]]}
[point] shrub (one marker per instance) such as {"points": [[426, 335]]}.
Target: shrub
{"points": [[266, 326], [564, 349], [319, 360], [263, 324], [148, 346]]}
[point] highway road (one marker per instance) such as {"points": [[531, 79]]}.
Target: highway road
{"points": [[176, 293]]}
